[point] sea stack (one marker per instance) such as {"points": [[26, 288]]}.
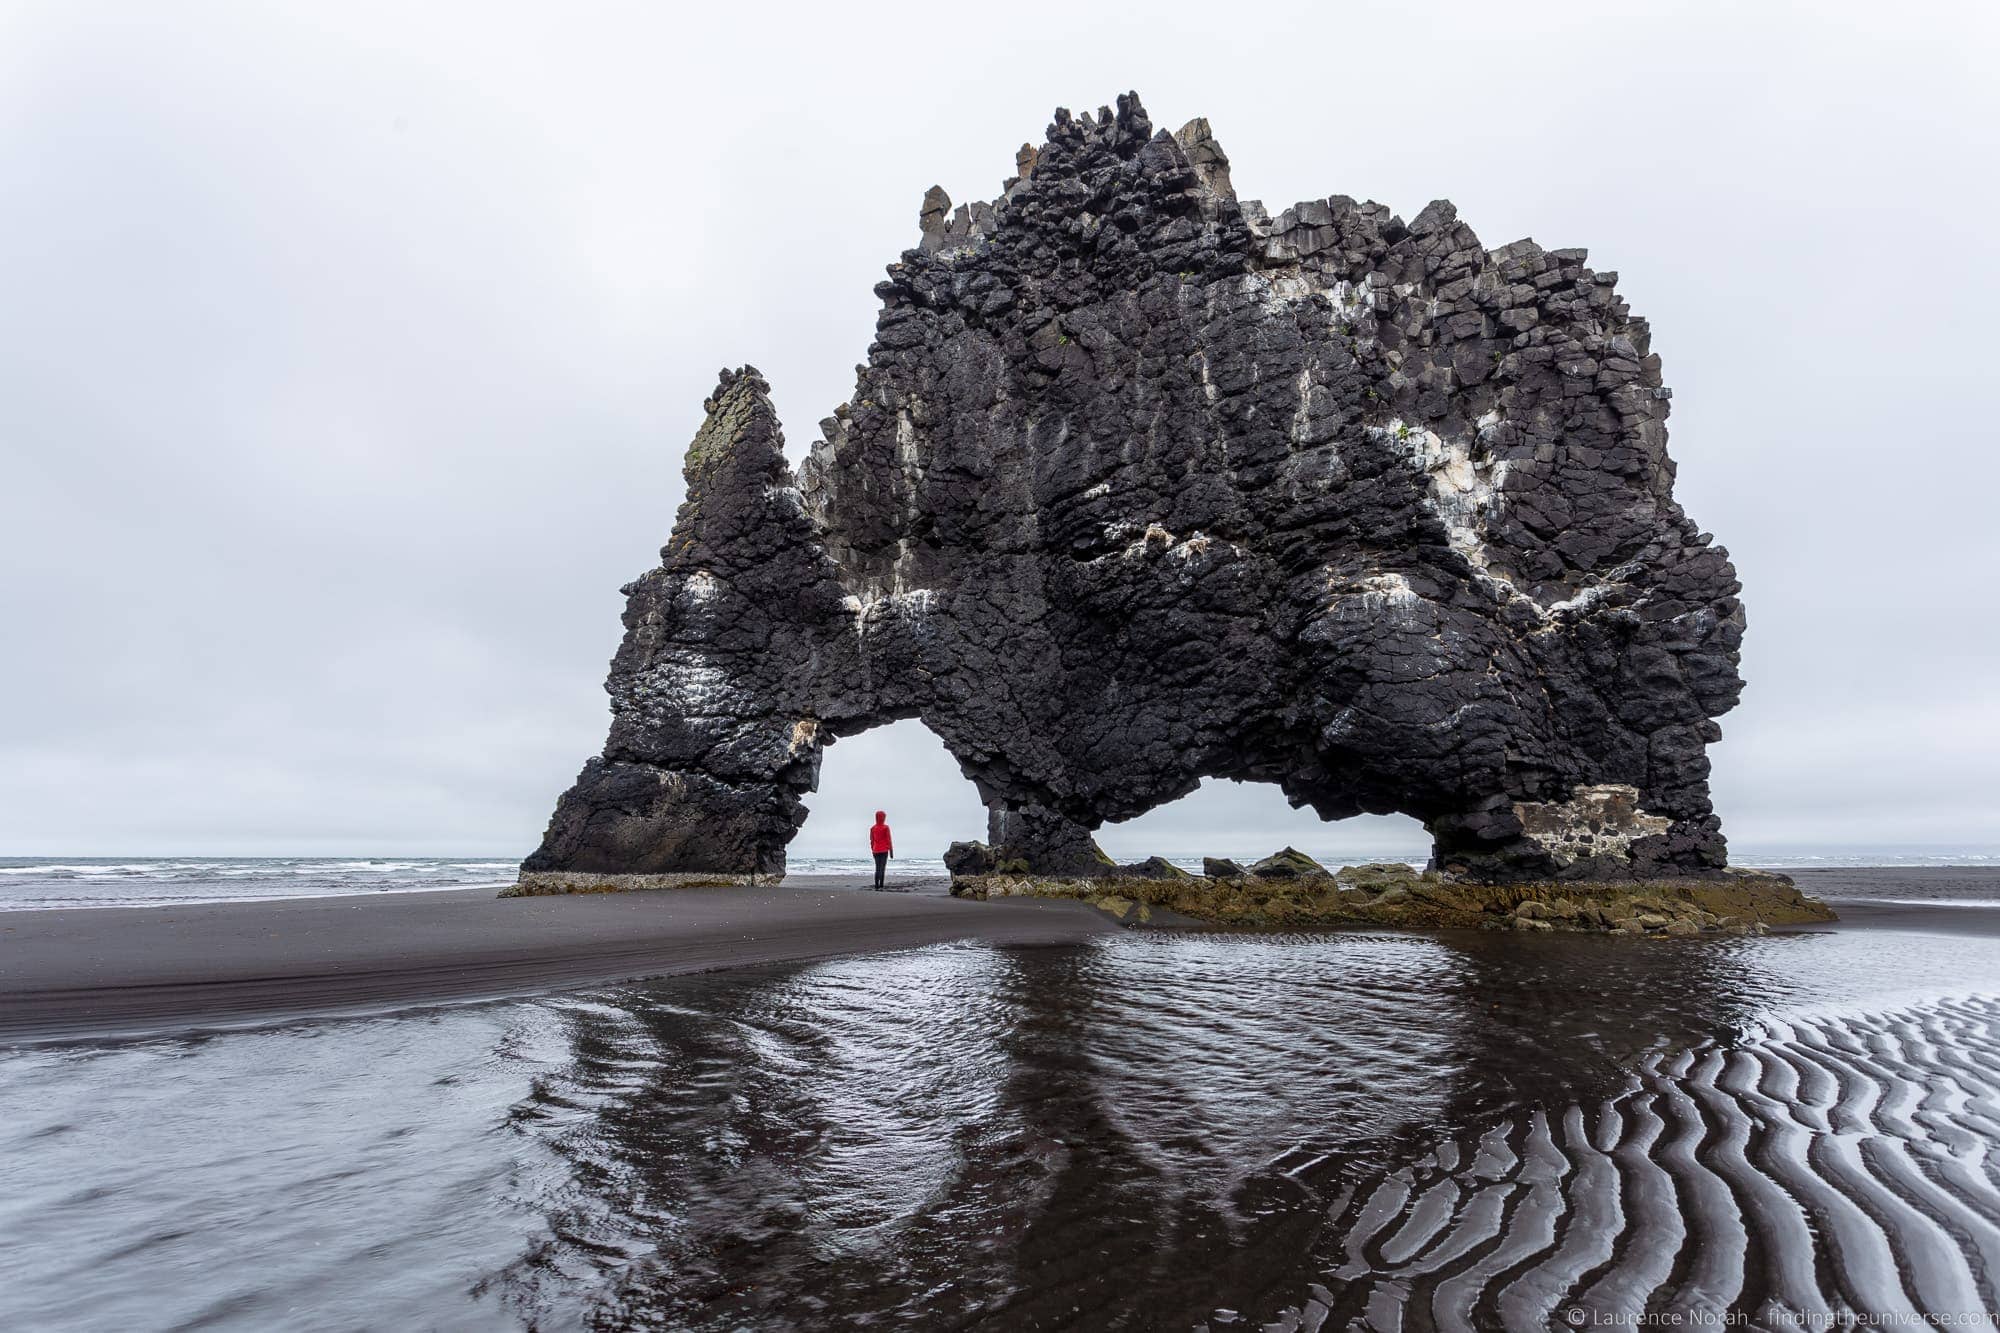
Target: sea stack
{"points": [[1142, 484]]}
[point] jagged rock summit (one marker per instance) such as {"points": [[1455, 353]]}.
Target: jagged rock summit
{"points": [[1142, 485]]}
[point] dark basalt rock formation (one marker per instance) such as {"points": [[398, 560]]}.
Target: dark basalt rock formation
{"points": [[1142, 485]]}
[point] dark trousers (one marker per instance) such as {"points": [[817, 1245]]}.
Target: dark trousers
{"points": [[881, 867]]}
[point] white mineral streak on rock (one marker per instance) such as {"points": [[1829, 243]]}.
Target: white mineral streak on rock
{"points": [[1582, 601], [1291, 288], [1586, 599], [1138, 542], [1350, 599], [906, 446], [911, 466], [914, 605], [1602, 820], [702, 587], [1463, 490], [690, 686], [1302, 419], [1465, 493]]}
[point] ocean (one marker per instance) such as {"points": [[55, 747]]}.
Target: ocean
{"points": [[136, 881], [28, 882]]}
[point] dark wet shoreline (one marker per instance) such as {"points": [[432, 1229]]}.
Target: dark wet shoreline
{"points": [[1953, 899], [77, 973]]}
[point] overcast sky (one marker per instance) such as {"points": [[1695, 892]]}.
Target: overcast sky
{"points": [[348, 351]]}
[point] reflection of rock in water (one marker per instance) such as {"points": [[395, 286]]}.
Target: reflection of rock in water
{"points": [[965, 1133], [1311, 1130]]}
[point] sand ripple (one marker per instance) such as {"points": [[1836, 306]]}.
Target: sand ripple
{"points": [[1839, 1162]]}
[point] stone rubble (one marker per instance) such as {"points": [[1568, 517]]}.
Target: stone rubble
{"points": [[1398, 897]]}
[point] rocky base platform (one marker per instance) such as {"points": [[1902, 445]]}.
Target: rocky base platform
{"points": [[543, 883], [1734, 902]]}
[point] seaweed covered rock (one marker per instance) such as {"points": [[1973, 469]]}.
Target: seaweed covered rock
{"points": [[1683, 906], [1290, 863], [1377, 877], [1153, 867], [1142, 484]]}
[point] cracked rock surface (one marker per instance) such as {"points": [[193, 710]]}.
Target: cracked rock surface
{"points": [[1141, 485]]}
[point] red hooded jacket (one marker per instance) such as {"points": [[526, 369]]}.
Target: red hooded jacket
{"points": [[878, 835]]}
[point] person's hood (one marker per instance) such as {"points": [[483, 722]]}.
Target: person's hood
{"points": [[881, 817]]}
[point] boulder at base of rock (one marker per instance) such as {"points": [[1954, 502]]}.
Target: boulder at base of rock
{"points": [[969, 858], [1377, 877], [1153, 867], [1221, 867], [1291, 863]]}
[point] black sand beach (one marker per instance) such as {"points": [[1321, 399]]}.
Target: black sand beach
{"points": [[87, 972], [83, 972]]}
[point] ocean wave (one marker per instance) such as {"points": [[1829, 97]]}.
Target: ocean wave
{"points": [[34, 884], [84, 868]]}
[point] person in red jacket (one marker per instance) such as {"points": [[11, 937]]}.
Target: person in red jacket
{"points": [[880, 843]]}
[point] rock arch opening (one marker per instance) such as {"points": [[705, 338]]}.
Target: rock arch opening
{"points": [[900, 767], [1245, 821]]}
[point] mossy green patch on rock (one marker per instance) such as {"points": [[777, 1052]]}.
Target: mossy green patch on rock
{"points": [[1291, 863], [1376, 877], [1397, 896], [1153, 867]]}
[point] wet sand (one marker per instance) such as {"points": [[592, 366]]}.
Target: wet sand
{"points": [[87, 972], [1955, 900], [1462, 1130]]}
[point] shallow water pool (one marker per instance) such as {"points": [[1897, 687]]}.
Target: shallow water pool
{"points": [[1154, 1130]]}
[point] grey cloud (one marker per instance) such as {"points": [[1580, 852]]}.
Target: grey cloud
{"points": [[348, 354]]}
